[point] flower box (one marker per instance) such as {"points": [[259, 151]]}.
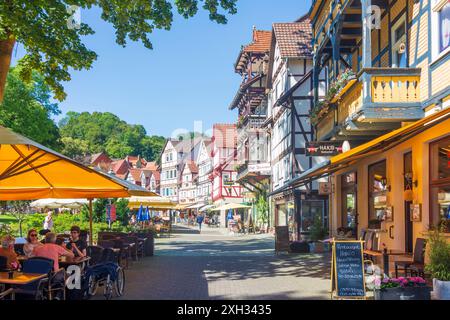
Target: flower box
{"points": [[403, 293]]}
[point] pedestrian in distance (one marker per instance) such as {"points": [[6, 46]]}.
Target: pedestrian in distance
{"points": [[200, 221], [48, 222]]}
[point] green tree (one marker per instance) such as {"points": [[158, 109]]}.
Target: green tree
{"points": [[107, 132], [19, 210], [52, 39], [74, 148], [27, 109], [262, 207]]}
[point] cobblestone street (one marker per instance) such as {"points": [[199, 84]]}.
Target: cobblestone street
{"points": [[215, 265]]}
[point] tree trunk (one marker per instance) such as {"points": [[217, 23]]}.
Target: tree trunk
{"points": [[6, 49]]}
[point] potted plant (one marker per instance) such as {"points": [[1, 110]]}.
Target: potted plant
{"points": [[439, 265], [317, 233], [410, 288]]}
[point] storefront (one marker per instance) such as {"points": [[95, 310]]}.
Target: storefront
{"points": [[299, 211], [397, 185]]}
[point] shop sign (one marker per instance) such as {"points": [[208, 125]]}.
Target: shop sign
{"points": [[261, 168], [323, 148], [324, 188]]}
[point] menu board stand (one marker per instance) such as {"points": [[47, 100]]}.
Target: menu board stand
{"points": [[281, 239], [347, 270]]}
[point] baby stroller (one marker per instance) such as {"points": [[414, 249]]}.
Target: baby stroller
{"points": [[104, 271]]}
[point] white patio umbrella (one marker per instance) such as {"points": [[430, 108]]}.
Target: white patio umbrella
{"points": [[52, 203]]}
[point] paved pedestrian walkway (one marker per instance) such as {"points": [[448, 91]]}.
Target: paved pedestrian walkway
{"points": [[211, 265]]}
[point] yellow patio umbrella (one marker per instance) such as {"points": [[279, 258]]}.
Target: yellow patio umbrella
{"points": [[156, 202], [30, 171]]}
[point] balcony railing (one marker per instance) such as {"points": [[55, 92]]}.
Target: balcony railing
{"points": [[393, 96]]}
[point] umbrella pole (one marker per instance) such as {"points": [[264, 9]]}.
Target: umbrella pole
{"points": [[91, 236]]}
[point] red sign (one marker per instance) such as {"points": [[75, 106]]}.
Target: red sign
{"points": [[113, 213]]}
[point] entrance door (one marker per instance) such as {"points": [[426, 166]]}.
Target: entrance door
{"points": [[349, 215], [408, 185]]}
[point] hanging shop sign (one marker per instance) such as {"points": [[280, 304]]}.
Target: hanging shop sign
{"points": [[261, 168], [324, 188], [323, 148]]}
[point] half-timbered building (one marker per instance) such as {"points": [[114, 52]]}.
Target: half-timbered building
{"points": [[290, 101], [253, 168]]}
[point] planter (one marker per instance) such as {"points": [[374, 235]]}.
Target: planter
{"points": [[407, 293], [441, 289], [316, 247], [299, 247]]}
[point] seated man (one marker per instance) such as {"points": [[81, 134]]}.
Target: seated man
{"points": [[52, 251], [7, 250], [76, 245]]}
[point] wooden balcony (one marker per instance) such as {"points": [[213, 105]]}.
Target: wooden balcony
{"points": [[393, 96], [251, 124]]}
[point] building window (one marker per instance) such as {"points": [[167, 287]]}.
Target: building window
{"points": [[440, 184], [444, 27], [399, 50], [377, 191]]}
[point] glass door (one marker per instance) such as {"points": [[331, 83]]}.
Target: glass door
{"points": [[408, 185], [349, 216]]}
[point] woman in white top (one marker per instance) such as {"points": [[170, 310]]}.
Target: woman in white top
{"points": [[48, 222], [32, 242]]}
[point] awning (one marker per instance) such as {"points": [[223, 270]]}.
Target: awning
{"points": [[206, 208], [196, 206], [180, 207], [370, 148], [231, 206]]}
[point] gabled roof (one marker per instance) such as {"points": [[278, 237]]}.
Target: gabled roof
{"points": [[100, 157], [224, 135], [294, 39], [136, 174], [120, 167], [260, 42], [153, 166], [157, 175]]}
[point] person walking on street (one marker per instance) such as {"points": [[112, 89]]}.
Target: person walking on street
{"points": [[200, 221], [48, 222]]}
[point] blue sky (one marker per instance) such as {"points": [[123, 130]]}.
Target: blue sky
{"points": [[187, 77]]}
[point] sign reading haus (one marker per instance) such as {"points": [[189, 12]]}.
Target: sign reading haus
{"points": [[323, 148]]}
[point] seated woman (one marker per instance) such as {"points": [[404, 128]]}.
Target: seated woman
{"points": [[7, 250], [32, 242]]}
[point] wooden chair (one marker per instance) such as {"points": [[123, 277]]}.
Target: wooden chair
{"points": [[416, 266]]}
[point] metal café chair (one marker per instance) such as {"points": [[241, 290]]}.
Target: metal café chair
{"points": [[42, 288]]}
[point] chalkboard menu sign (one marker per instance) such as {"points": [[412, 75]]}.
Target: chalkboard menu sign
{"points": [[281, 238], [348, 269]]}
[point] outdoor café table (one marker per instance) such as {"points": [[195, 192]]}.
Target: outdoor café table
{"points": [[65, 262], [20, 278], [391, 252]]}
